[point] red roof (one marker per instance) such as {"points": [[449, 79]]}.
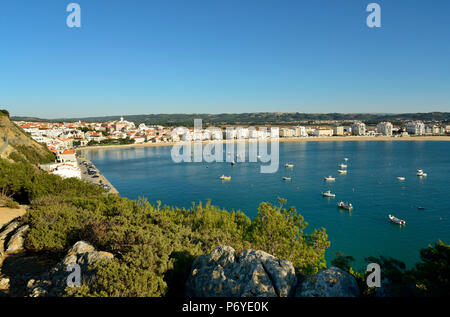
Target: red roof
{"points": [[68, 152]]}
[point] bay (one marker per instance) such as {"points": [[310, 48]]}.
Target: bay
{"points": [[370, 185]]}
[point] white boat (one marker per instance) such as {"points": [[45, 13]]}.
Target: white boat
{"points": [[258, 156], [397, 221], [287, 178], [342, 166], [401, 178], [421, 173], [328, 193], [225, 178], [329, 178], [287, 165], [345, 206], [342, 171], [345, 159]]}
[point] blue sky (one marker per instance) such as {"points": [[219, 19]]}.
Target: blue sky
{"points": [[214, 56]]}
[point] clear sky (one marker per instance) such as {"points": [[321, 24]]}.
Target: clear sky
{"points": [[214, 56]]}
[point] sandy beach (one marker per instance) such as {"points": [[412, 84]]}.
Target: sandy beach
{"points": [[281, 140]]}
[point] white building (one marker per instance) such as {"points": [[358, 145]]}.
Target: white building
{"points": [[288, 132], [67, 171], [415, 127], [358, 128], [274, 132], [323, 132], [67, 156], [300, 131], [338, 130], [384, 128]]}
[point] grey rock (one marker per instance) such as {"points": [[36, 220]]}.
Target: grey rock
{"points": [[251, 273], [330, 282], [9, 228], [6, 230], [15, 244], [53, 283], [81, 247]]}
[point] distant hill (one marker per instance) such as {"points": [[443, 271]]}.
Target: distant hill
{"points": [[258, 118], [16, 145]]}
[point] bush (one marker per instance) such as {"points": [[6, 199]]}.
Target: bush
{"points": [[154, 245]]}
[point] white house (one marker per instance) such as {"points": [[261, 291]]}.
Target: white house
{"points": [[358, 128], [415, 127], [384, 128], [67, 171]]}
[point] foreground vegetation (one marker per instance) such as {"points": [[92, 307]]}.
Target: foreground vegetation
{"points": [[154, 245]]}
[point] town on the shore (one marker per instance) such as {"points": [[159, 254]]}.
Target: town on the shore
{"points": [[63, 139]]}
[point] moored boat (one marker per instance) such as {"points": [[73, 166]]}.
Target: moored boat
{"points": [[329, 178], [421, 173], [287, 178], [342, 171], [287, 165], [343, 205], [328, 193], [401, 178], [342, 166], [225, 178], [397, 221]]}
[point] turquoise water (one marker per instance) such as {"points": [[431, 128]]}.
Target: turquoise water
{"points": [[370, 185]]}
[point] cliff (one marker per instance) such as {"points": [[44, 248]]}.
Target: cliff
{"points": [[16, 145]]}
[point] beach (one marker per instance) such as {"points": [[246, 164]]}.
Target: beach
{"points": [[281, 140]]}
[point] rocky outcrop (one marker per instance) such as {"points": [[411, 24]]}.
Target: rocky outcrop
{"points": [[331, 282], [15, 244], [223, 273], [53, 283], [249, 274], [4, 234]]}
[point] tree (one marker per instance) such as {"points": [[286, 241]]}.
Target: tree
{"points": [[342, 261], [432, 274]]}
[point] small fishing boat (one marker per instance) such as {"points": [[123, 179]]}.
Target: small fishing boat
{"points": [[328, 193], [225, 178], [287, 178], [329, 178], [421, 208], [421, 173], [342, 166], [233, 163], [401, 178], [342, 171], [345, 159], [397, 221], [258, 156], [345, 206], [287, 165]]}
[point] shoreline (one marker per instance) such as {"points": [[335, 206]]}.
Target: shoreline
{"points": [[280, 140], [101, 179]]}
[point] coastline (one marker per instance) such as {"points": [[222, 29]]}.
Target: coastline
{"points": [[101, 179], [281, 140]]}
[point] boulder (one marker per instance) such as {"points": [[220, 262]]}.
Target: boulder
{"points": [[250, 274], [330, 282], [8, 229], [53, 283], [4, 234], [15, 244]]}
